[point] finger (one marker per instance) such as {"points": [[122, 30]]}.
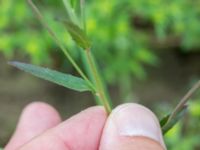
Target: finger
{"points": [[132, 127], [36, 118], [81, 132]]}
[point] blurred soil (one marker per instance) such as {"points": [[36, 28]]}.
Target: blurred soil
{"points": [[165, 85]]}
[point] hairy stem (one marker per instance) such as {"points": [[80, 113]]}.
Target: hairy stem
{"points": [[101, 93]]}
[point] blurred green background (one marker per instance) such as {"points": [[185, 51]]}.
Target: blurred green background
{"points": [[148, 52]]}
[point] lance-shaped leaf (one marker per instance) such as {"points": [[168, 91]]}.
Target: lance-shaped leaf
{"points": [[166, 126], [77, 34], [68, 81]]}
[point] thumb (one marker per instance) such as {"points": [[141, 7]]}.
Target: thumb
{"points": [[132, 127]]}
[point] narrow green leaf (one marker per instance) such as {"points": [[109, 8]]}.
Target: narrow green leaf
{"points": [[59, 78], [1, 148], [77, 34], [166, 126]]}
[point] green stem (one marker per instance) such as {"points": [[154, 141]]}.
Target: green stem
{"points": [[82, 7], [99, 85], [62, 47], [101, 93], [70, 11], [183, 101]]}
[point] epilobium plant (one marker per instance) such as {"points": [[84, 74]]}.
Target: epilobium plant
{"points": [[92, 81]]}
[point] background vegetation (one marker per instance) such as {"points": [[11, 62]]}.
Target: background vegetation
{"points": [[130, 39]]}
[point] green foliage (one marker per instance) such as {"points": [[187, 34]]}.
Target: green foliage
{"points": [[97, 87], [119, 48], [59, 78], [120, 43], [177, 18], [114, 41], [15, 20]]}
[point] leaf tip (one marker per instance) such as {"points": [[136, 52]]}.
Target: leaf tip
{"points": [[13, 63]]}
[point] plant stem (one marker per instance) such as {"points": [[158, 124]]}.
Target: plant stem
{"points": [[70, 11], [183, 101], [101, 93], [62, 47], [82, 7], [99, 85]]}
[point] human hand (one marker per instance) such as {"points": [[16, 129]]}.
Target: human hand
{"points": [[129, 127]]}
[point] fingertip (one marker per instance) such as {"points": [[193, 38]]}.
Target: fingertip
{"points": [[129, 121], [84, 129], [80, 132], [95, 110], [36, 118], [42, 112]]}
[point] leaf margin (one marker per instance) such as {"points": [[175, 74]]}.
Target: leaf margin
{"points": [[40, 72]]}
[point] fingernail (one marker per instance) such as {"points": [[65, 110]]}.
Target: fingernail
{"points": [[135, 120]]}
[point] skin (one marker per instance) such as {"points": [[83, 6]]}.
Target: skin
{"points": [[40, 127]]}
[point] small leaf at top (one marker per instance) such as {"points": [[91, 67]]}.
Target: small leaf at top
{"points": [[77, 34], [66, 80]]}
